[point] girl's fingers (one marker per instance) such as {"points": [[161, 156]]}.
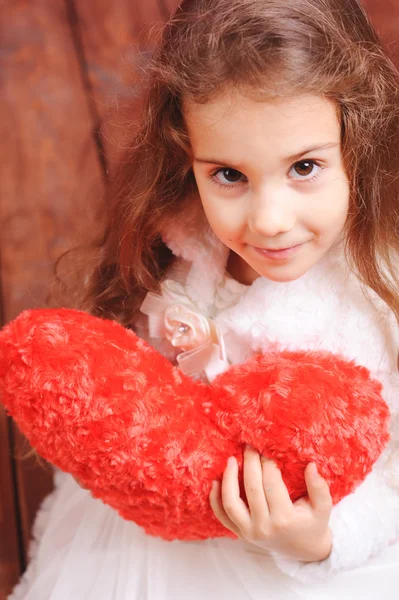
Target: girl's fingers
{"points": [[219, 512], [233, 505], [275, 490], [253, 484], [80, 484], [318, 491]]}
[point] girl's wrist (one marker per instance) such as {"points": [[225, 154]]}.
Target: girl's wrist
{"points": [[322, 552], [311, 553]]}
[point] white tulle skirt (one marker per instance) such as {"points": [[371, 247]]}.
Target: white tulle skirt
{"points": [[82, 550]]}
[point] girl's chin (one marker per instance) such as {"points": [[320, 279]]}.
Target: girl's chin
{"points": [[282, 273], [252, 264]]}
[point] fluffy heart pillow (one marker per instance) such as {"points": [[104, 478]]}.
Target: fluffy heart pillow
{"points": [[102, 404]]}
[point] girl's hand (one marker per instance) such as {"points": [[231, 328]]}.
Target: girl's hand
{"points": [[80, 484], [297, 530]]}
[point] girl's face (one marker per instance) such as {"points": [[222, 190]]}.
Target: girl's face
{"points": [[271, 181]]}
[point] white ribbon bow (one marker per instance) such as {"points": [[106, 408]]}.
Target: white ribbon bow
{"points": [[175, 316]]}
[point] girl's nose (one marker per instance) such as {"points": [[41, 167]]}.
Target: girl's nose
{"points": [[271, 214]]}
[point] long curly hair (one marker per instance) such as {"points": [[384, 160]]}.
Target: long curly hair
{"points": [[265, 49]]}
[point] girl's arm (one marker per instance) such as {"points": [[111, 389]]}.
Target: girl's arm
{"points": [[367, 521], [362, 525], [318, 540]]}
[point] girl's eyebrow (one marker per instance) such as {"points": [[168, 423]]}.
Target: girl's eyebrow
{"points": [[292, 158]]}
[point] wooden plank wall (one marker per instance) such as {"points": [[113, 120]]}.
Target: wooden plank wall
{"points": [[65, 68]]}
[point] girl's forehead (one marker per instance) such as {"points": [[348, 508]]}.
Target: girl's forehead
{"points": [[227, 119]]}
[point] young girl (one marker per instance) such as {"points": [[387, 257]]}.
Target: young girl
{"points": [[261, 194]]}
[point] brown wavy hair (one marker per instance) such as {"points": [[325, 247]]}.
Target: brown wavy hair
{"points": [[265, 49]]}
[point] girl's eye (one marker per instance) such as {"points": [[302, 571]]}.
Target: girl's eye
{"points": [[302, 170], [228, 176], [305, 169]]}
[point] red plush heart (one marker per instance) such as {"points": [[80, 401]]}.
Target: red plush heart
{"points": [[98, 402]]}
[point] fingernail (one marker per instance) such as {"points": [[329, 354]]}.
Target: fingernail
{"points": [[231, 461], [214, 485], [313, 470]]}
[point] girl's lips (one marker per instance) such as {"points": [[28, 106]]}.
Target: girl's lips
{"points": [[278, 254]]}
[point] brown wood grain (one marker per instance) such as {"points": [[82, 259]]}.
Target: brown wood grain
{"points": [[49, 162], [384, 14], [34, 481], [169, 6], [10, 560], [52, 100], [49, 165], [117, 39]]}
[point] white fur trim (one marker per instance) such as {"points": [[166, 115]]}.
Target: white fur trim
{"points": [[363, 524], [190, 237]]}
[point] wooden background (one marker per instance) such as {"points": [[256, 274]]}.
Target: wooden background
{"points": [[65, 67]]}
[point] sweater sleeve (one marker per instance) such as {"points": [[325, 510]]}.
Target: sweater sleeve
{"points": [[365, 522]]}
